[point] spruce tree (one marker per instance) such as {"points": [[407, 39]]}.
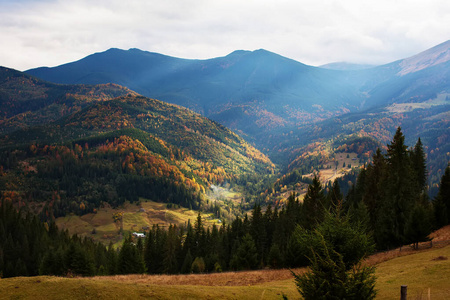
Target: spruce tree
{"points": [[187, 263], [313, 204], [400, 185], [418, 159], [335, 195], [418, 226], [245, 257], [335, 271], [444, 190]]}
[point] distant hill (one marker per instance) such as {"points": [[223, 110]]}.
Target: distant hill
{"points": [[27, 101]]}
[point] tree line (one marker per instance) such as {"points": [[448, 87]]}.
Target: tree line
{"points": [[386, 207]]}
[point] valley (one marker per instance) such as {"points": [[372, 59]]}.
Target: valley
{"points": [[250, 161]]}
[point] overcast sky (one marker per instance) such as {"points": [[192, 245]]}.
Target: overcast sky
{"points": [[52, 32]]}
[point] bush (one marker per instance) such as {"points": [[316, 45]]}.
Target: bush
{"points": [[198, 266]]}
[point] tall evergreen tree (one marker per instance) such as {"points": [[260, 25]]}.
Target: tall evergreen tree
{"points": [[444, 190], [313, 204], [418, 226], [418, 159], [374, 188], [130, 260], [245, 257], [400, 185], [335, 195]]}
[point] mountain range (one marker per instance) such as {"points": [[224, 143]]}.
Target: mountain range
{"points": [[278, 103]]}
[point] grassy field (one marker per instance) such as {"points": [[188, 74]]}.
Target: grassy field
{"points": [[136, 217], [425, 271]]}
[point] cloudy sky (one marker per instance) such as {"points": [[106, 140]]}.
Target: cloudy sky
{"points": [[51, 32]]}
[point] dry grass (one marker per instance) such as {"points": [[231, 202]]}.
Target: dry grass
{"points": [[440, 238], [423, 271], [244, 278]]}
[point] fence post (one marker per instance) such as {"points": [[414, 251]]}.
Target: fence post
{"points": [[403, 292]]}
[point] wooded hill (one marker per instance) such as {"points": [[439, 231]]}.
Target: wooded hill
{"points": [[88, 151]]}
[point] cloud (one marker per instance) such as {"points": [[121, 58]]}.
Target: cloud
{"points": [[52, 32]]}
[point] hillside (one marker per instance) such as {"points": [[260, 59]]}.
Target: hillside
{"points": [[114, 150], [284, 106], [26, 101], [249, 91], [423, 272]]}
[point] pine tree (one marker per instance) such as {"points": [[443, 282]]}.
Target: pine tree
{"points": [[335, 271], [171, 251], [258, 232], [130, 260], [373, 195], [418, 160], [418, 226], [400, 187], [335, 195], [187, 263], [313, 204], [245, 257], [444, 191]]}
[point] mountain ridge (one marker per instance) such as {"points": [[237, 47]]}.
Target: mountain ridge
{"points": [[272, 101]]}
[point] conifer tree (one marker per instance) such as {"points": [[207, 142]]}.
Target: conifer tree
{"points": [[130, 260], [245, 257], [400, 185], [418, 159], [418, 226], [335, 195], [313, 204], [187, 263], [444, 190], [336, 272]]}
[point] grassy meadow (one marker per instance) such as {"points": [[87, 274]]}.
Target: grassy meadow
{"points": [[424, 271], [135, 217]]}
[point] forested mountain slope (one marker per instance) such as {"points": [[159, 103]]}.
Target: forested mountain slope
{"points": [[113, 150]]}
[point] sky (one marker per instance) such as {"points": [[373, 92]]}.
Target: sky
{"points": [[36, 33]]}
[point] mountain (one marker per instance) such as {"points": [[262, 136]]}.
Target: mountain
{"points": [[27, 101], [259, 93], [283, 106], [247, 91], [84, 148]]}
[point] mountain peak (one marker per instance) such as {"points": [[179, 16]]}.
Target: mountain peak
{"points": [[431, 57]]}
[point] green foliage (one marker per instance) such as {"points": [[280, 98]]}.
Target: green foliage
{"points": [[130, 258], [419, 224], [246, 257], [299, 248], [198, 266], [442, 201], [29, 247], [335, 272], [187, 263], [314, 204], [388, 196]]}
